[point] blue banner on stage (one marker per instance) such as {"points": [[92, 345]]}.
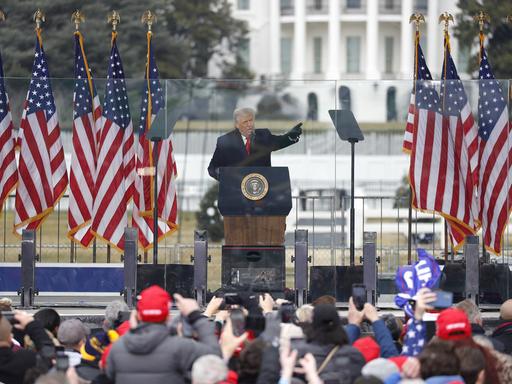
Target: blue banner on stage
{"points": [[56, 278]]}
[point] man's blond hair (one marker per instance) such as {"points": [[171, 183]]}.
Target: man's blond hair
{"points": [[245, 111]]}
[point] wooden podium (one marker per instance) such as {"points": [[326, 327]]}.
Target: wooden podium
{"points": [[254, 230], [254, 202]]}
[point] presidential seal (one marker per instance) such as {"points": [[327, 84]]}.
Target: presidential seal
{"points": [[254, 186]]}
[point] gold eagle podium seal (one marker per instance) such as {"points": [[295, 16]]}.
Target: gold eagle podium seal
{"points": [[254, 186]]}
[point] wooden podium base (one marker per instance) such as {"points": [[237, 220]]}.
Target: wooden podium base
{"points": [[254, 230]]}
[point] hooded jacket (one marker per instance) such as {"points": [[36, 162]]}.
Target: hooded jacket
{"points": [[149, 355]]}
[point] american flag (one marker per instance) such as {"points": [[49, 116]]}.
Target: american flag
{"points": [[495, 158], [422, 73], [152, 102], [115, 170], [8, 170], [432, 170], [42, 176], [460, 204], [86, 128]]}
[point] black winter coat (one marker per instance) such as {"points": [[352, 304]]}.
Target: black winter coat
{"points": [[230, 150]]}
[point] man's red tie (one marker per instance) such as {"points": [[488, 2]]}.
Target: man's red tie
{"points": [[248, 145]]}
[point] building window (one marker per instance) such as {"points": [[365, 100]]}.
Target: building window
{"points": [[344, 96], [318, 5], [391, 114], [286, 7], [317, 55], [388, 54], [353, 54], [243, 5], [286, 55], [353, 4], [389, 4], [312, 106], [421, 5], [244, 52]]}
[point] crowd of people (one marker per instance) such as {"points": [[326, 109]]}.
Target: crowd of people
{"points": [[252, 338]]}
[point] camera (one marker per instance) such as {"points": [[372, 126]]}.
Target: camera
{"points": [[232, 299], [359, 295]]}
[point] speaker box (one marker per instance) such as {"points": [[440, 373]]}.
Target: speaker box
{"points": [[494, 283], [334, 281], [453, 279], [258, 268], [174, 278]]}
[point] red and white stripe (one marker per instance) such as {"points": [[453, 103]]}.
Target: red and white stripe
{"points": [[129, 161], [439, 169], [86, 129], [167, 196], [143, 186], [8, 169], [114, 183], [409, 127], [42, 174], [167, 202], [495, 190]]}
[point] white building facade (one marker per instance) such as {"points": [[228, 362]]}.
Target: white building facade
{"points": [[366, 46], [341, 39]]}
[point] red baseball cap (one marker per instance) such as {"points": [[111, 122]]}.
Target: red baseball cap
{"points": [[153, 305], [368, 348], [453, 324]]}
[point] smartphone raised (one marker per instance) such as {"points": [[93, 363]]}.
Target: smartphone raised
{"points": [[61, 361], [237, 321], [359, 295], [444, 299]]}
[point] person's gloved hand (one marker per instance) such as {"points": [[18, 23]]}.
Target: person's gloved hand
{"points": [[295, 132]]}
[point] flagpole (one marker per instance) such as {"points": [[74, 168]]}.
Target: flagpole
{"points": [[445, 18], [417, 18], [481, 18], [149, 18]]}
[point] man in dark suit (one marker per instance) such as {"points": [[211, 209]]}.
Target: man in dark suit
{"points": [[246, 146]]}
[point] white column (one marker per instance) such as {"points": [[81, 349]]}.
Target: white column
{"points": [[275, 39], [299, 41], [433, 29], [407, 41], [372, 38], [333, 69]]}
